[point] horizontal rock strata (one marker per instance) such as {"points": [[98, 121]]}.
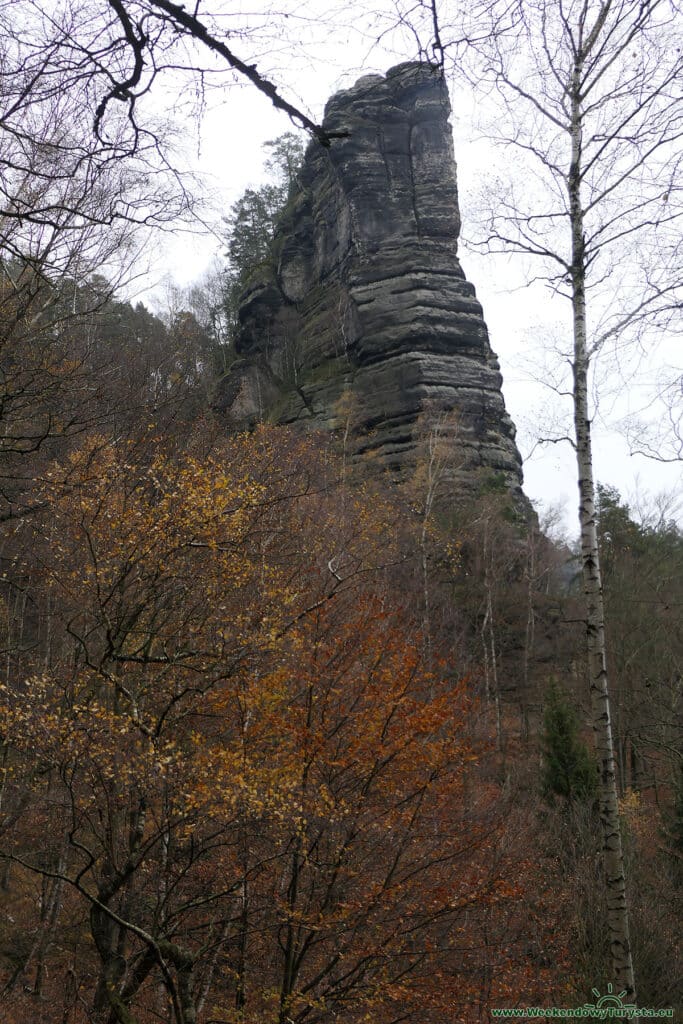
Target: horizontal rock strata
{"points": [[366, 316]]}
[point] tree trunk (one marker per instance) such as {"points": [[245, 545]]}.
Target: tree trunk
{"points": [[617, 910]]}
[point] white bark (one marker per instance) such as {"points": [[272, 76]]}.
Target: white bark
{"points": [[593, 106], [617, 908]]}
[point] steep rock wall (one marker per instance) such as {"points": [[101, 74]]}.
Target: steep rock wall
{"points": [[367, 299]]}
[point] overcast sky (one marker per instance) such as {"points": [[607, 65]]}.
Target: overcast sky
{"points": [[525, 322]]}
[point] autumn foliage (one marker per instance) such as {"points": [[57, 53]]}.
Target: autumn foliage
{"points": [[238, 791]]}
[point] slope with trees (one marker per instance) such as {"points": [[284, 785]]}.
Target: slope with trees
{"points": [[643, 572], [244, 775], [261, 804], [592, 104]]}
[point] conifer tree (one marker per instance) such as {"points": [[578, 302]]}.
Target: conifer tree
{"points": [[569, 771], [250, 224]]}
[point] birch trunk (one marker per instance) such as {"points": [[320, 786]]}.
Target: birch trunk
{"points": [[617, 909]]}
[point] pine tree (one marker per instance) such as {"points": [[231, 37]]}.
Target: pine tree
{"points": [[250, 224], [569, 771]]}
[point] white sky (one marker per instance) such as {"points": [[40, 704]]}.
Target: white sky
{"points": [[521, 320]]}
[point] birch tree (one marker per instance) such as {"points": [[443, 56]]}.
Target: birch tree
{"points": [[591, 92]]}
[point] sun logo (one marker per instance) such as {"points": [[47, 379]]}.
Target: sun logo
{"points": [[610, 999]]}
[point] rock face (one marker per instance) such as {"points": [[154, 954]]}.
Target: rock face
{"points": [[367, 317]]}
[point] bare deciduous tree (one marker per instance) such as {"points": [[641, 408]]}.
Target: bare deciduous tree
{"points": [[593, 111]]}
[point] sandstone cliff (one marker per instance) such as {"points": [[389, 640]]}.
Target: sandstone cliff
{"points": [[367, 299]]}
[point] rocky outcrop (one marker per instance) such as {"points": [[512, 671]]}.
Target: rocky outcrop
{"points": [[365, 316]]}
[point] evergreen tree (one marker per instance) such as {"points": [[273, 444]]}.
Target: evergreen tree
{"points": [[250, 225], [569, 770]]}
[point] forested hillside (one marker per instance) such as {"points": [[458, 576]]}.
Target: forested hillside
{"points": [[283, 738], [287, 737]]}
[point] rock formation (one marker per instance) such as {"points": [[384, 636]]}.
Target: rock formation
{"points": [[366, 297]]}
